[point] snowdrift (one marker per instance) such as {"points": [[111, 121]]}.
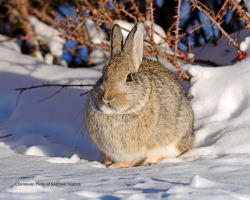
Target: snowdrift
{"points": [[49, 142]]}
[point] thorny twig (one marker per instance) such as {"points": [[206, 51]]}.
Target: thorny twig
{"points": [[21, 90], [242, 13], [52, 85], [220, 14], [31, 37], [135, 7], [156, 51], [56, 92], [4, 136], [151, 20], [177, 30], [122, 8], [197, 5]]}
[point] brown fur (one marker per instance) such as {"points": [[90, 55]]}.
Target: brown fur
{"points": [[130, 121]]}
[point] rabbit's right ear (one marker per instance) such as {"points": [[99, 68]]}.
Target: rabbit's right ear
{"points": [[134, 46], [116, 40]]}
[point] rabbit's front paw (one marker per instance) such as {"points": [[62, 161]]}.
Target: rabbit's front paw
{"points": [[122, 165], [106, 160], [150, 161]]}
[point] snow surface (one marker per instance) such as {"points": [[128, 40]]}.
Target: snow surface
{"points": [[9, 44], [247, 3], [51, 37], [226, 54], [50, 155]]}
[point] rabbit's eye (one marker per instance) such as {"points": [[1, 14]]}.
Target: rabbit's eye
{"points": [[129, 77]]}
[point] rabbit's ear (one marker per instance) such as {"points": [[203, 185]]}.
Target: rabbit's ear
{"points": [[116, 40], [134, 46]]}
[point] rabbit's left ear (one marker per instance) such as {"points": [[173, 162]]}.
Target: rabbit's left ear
{"points": [[116, 40], [134, 46]]}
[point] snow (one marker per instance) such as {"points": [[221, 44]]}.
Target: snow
{"points": [[226, 54], [245, 45], [227, 126], [50, 156], [75, 158], [97, 55], [247, 3], [6, 42], [51, 37], [96, 37]]}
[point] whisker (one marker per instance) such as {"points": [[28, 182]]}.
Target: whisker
{"points": [[74, 144], [78, 115]]}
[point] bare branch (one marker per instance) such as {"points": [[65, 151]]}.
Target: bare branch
{"points": [[140, 19], [4, 136], [151, 20], [177, 30], [197, 5], [21, 90], [53, 85], [56, 92], [242, 13]]}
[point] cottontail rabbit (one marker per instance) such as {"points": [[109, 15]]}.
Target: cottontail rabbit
{"points": [[137, 113]]}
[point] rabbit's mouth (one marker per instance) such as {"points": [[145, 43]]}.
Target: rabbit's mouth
{"points": [[104, 108], [108, 109]]}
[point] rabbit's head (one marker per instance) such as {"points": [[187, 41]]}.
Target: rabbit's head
{"points": [[123, 88]]}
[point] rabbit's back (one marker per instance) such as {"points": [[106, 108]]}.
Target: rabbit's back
{"points": [[175, 120]]}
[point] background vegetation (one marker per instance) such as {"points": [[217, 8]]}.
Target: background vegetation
{"points": [[186, 24]]}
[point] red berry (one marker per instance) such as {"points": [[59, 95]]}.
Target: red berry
{"points": [[242, 55]]}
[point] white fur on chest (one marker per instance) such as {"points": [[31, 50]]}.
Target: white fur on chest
{"points": [[124, 157], [171, 151]]}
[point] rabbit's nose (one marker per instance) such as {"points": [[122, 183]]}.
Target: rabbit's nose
{"points": [[107, 98]]}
